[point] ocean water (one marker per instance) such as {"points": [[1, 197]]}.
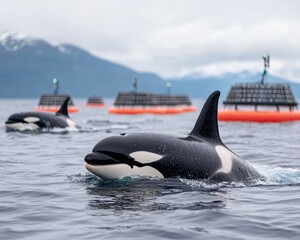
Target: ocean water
{"points": [[46, 193]]}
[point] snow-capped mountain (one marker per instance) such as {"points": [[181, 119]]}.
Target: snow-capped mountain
{"points": [[28, 65], [12, 41]]}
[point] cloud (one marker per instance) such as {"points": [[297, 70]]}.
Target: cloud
{"points": [[170, 37], [221, 68], [289, 69]]}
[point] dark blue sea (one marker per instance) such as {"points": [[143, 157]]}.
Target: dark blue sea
{"points": [[46, 193]]}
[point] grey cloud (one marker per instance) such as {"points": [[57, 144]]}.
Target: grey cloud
{"points": [[165, 36]]}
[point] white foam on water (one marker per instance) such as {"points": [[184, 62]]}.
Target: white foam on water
{"points": [[272, 176], [278, 175]]}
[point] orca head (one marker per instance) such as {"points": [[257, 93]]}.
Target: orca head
{"points": [[125, 155], [151, 154]]}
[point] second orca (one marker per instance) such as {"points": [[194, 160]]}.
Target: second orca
{"points": [[37, 121], [200, 155]]}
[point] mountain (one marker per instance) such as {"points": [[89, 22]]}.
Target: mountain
{"points": [[28, 65]]}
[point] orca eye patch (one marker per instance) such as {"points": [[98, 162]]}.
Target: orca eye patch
{"points": [[145, 157], [31, 119]]}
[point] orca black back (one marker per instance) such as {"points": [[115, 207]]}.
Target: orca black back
{"points": [[200, 155], [41, 120]]}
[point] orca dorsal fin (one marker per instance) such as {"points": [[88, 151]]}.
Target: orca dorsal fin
{"points": [[64, 108], [207, 122]]}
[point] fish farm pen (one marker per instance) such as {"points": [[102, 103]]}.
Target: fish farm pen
{"points": [[260, 102], [138, 103], [52, 103], [95, 102], [256, 94], [148, 99]]}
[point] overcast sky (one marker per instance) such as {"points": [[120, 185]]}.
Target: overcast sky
{"points": [[169, 37]]}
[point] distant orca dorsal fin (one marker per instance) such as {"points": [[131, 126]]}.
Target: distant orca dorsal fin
{"points": [[64, 108], [207, 122]]}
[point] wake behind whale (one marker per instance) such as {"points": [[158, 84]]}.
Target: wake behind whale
{"points": [[199, 155]]}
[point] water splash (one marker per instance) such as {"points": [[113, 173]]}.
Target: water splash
{"points": [[91, 179], [60, 130], [278, 175], [112, 128], [213, 186], [86, 178]]}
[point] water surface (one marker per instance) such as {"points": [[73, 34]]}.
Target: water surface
{"points": [[46, 193]]}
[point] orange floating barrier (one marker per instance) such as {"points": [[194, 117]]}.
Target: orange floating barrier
{"points": [[139, 110], [126, 110], [189, 109], [163, 110], [71, 109], [262, 117]]}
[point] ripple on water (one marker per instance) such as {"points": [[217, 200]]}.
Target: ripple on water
{"points": [[46, 193]]}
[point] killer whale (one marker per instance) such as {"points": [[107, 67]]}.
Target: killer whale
{"points": [[200, 155], [36, 121]]}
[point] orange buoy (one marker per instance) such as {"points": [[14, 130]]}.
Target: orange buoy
{"points": [[259, 116]]}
